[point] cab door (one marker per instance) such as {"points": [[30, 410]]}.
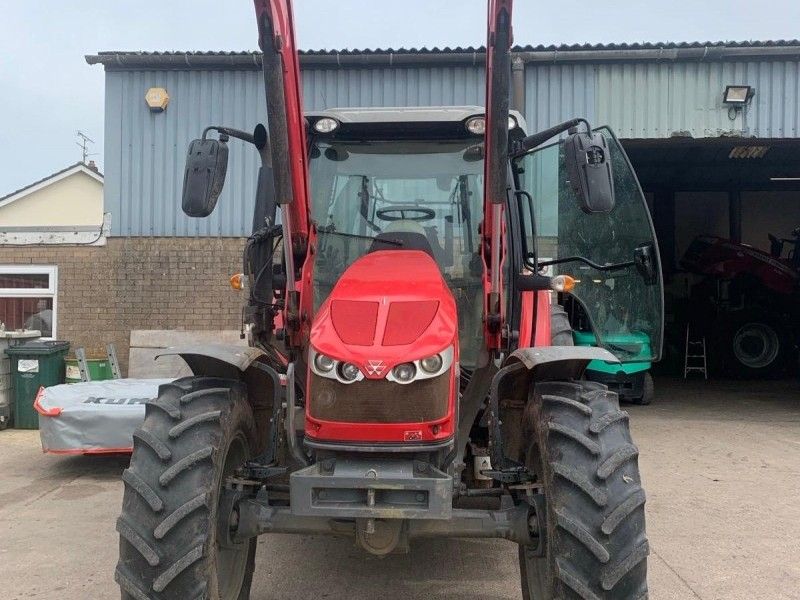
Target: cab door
{"points": [[613, 256]]}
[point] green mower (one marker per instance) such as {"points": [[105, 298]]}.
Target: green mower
{"points": [[632, 380]]}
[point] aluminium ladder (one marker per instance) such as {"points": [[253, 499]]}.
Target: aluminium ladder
{"points": [[695, 355]]}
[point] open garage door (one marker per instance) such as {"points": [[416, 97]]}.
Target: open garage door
{"points": [[727, 213]]}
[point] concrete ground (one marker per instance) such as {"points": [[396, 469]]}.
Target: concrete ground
{"points": [[721, 463]]}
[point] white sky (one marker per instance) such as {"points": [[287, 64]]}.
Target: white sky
{"points": [[47, 91]]}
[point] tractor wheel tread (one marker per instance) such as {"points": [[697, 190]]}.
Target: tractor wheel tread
{"points": [[581, 481], [596, 392], [141, 487], [187, 462], [137, 541], [578, 530], [168, 525], [595, 542], [619, 457], [176, 568], [178, 514], [579, 406], [124, 579], [156, 445], [607, 419], [203, 393], [213, 415], [614, 573], [162, 404], [560, 429], [573, 581], [622, 511], [560, 328]]}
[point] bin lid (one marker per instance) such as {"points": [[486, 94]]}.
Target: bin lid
{"points": [[38, 347], [20, 334]]}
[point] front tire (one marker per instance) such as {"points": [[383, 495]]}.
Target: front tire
{"points": [[579, 446], [193, 436]]}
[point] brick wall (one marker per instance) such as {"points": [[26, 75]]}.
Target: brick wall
{"points": [[139, 283]]}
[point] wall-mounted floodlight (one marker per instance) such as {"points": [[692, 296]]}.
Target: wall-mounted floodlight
{"points": [[738, 95]]}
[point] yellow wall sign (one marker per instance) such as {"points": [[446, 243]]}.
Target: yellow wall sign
{"points": [[157, 99]]}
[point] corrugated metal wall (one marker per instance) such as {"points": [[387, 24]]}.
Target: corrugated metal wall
{"points": [[145, 151], [659, 100]]}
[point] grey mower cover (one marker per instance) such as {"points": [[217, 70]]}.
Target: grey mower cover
{"points": [[93, 417]]}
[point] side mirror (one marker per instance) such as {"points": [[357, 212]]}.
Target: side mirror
{"points": [[644, 259], [206, 165], [588, 163]]}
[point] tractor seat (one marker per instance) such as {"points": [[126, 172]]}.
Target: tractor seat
{"points": [[406, 235]]}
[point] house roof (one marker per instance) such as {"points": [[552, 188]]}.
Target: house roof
{"points": [[78, 167]]}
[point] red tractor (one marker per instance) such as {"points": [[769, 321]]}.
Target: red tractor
{"points": [[747, 302], [409, 375]]}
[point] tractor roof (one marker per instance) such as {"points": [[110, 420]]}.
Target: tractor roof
{"points": [[405, 114]]}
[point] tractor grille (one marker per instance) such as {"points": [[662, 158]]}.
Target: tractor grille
{"points": [[379, 401]]}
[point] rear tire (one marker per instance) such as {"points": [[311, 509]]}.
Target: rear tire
{"points": [[193, 436], [580, 448], [755, 346], [560, 328], [648, 390]]}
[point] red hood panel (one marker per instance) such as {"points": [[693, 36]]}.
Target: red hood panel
{"points": [[355, 321], [391, 306]]}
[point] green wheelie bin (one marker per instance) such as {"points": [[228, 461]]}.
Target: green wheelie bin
{"points": [[34, 364]]}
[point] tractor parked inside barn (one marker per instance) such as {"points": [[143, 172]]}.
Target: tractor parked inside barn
{"points": [[408, 375], [747, 303]]}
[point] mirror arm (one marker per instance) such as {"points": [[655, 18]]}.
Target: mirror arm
{"points": [[594, 265], [234, 133], [540, 137]]}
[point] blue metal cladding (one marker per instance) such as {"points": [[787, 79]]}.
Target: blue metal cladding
{"points": [[145, 152]]}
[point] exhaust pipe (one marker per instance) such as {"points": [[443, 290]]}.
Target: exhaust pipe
{"points": [[291, 431]]}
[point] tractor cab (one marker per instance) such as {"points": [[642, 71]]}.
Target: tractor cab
{"points": [[397, 179]]}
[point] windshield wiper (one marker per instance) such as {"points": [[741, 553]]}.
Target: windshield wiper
{"points": [[360, 237]]}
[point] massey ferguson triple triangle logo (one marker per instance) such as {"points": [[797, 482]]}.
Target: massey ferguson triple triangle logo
{"points": [[375, 367]]}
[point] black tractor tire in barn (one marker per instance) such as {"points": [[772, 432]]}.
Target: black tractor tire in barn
{"points": [[560, 329], [648, 391], [579, 446], [754, 345], [198, 431]]}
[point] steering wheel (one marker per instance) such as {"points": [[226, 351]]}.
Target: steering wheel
{"points": [[405, 213]]}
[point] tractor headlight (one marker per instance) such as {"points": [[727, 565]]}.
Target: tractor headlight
{"points": [[476, 125], [432, 364], [326, 125], [324, 363], [404, 372], [349, 371]]}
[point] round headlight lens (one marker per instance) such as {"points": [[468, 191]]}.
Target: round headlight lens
{"points": [[326, 125], [404, 372], [324, 363], [349, 372], [512, 122], [476, 125], [432, 364]]}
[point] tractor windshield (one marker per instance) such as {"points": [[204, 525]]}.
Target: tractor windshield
{"points": [[420, 194], [619, 304]]}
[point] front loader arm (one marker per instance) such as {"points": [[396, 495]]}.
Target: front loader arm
{"points": [[498, 81], [287, 137]]}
